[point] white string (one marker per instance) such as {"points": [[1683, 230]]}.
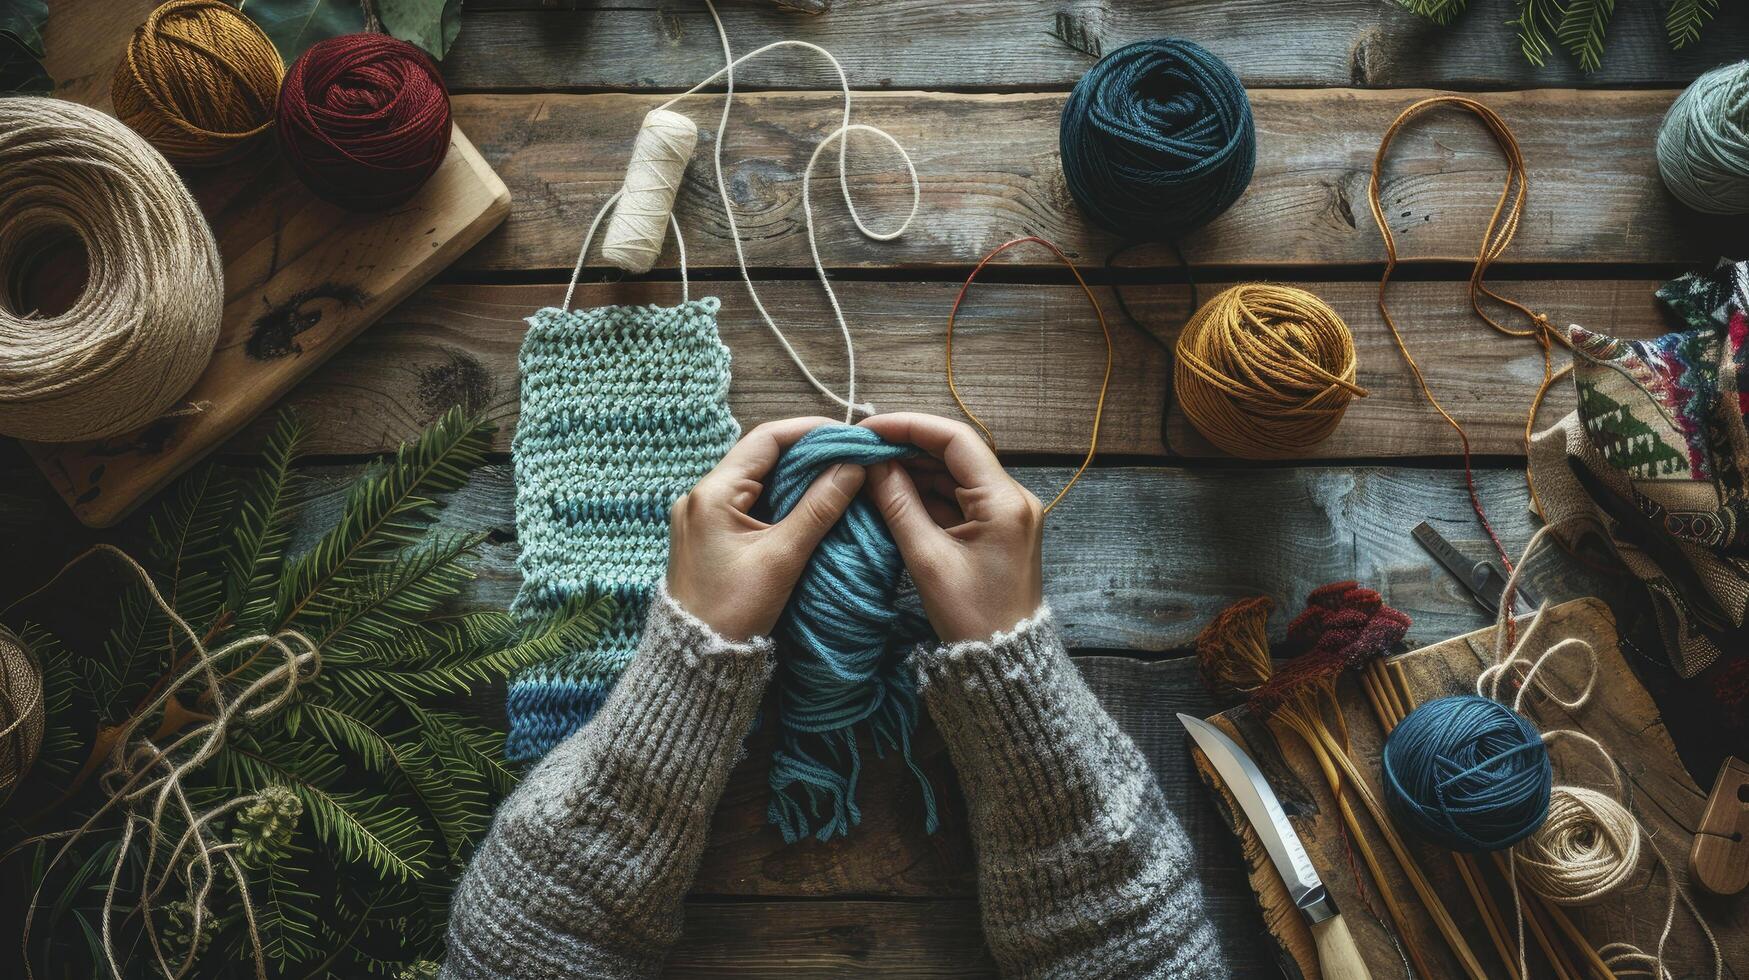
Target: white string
{"points": [[1524, 670], [840, 135], [589, 236]]}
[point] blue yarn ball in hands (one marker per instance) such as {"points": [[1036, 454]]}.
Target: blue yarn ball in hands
{"points": [[1157, 139], [1468, 773]]}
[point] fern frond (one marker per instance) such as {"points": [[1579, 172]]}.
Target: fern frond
{"points": [[63, 745], [362, 826], [1582, 29], [465, 668], [392, 601], [1685, 19], [1441, 12], [456, 807], [187, 542], [267, 502], [466, 747], [285, 918], [1536, 20], [387, 509]]}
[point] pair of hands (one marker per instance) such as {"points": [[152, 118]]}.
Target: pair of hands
{"points": [[969, 533]]}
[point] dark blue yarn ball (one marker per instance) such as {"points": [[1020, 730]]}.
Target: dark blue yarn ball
{"points": [[1157, 139], [1468, 773]]}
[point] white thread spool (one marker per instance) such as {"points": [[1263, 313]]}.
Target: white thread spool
{"points": [[640, 224]]}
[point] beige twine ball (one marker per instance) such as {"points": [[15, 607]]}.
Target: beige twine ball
{"points": [[21, 711], [144, 327]]}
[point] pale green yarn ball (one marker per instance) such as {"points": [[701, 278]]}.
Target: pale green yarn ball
{"points": [[1703, 146]]}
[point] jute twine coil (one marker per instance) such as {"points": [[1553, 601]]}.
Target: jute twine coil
{"points": [[1585, 849], [21, 711], [1265, 371], [199, 81], [146, 323]]}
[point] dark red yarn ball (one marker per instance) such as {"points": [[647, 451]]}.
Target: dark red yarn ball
{"points": [[364, 120]]}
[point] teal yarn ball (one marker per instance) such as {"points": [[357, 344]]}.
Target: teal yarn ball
{"points": [[1468, 773], [1703, 145], [1157, 139], [842, 662]]}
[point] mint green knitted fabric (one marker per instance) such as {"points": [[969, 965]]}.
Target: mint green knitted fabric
{"points": [[624, 408]]}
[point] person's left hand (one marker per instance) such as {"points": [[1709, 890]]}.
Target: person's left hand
{"points": [[731, 570]]}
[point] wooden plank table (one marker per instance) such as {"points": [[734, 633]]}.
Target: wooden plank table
{"points": [[1163, 531]]}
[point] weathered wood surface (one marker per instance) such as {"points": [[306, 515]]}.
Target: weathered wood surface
{"points": [[1135, 558], [990, 172], [1028, 359], [929, 939], [1620, 715], [1139, 559], [1018, 44]]}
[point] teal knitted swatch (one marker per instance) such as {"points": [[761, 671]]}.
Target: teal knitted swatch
{"points": [[624, 408]]}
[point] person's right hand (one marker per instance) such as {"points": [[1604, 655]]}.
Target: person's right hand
{"points": [[969, 533]]}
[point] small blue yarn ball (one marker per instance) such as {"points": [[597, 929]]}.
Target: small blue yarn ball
{"points": [[1468, 773], [1157, 139]]}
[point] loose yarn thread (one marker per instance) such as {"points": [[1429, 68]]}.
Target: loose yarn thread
{"points": [[364, 120], [1502, 225], [636, 230], [1105, 331], [199, 81], [1265, 371], [1468, 773], [1577, 874], [1703, 143], [1157, 139], [144, 327], [844, 665], [143, 783], [21, 711]]}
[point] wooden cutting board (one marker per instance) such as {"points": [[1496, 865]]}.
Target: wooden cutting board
{"points": [[302, 278], [1620, 715]]}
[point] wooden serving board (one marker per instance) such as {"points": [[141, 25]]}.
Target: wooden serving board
{"points": [[1620, 715], [302, 277]]}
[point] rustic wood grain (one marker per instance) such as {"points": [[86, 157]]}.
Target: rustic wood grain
{"points": [[990, 171], [1140, 558], [1016, 44], [302, 278], [1028, 359], [930, 939], [1620, 715]]}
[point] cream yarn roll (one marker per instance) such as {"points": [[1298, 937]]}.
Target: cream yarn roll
{"points": [[634, 235], [146, 322]]}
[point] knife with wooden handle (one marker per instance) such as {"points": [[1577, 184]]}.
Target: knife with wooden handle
{"points": [[1338, 957]]}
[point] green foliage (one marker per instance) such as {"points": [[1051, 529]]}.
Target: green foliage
{"points": [[1583, 24], [1685, 20], [295, 25], [372, 785], [1580, 26], [21, 47]]}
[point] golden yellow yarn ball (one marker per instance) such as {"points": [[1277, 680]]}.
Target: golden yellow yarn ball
{"points": [[199, 81], [1265, 371]]}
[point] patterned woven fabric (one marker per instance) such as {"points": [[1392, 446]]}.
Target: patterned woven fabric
{"points": [[623, 410], [1661, 425]]}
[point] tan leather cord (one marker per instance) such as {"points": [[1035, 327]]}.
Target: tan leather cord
{"points": [[1104, 385], [1502, 225]]}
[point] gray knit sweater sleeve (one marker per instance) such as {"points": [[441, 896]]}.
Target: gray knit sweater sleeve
{"points": [[586, 864], [1082, 869]]}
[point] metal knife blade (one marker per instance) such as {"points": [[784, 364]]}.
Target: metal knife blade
{"points": [[1264, 811]]}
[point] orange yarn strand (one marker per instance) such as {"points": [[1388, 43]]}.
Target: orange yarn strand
{"points": [[1104, 385], [1502, 225]]}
